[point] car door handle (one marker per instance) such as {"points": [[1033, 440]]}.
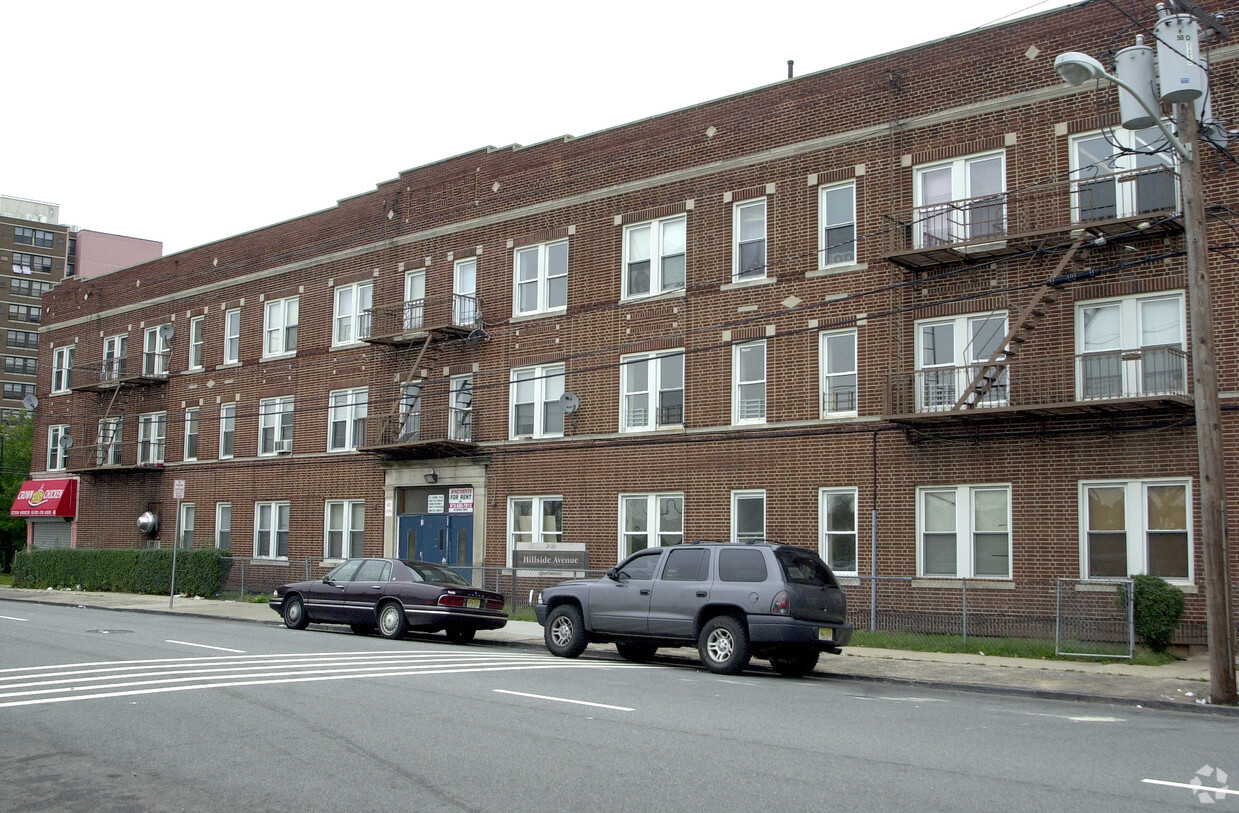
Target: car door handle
{"points": [[702, 594], [645, 592]]}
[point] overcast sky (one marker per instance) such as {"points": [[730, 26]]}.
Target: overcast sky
{"points": [[187, 123]]}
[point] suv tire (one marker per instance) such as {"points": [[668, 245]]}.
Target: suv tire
{"points": [[565, 631], [724, 645]]}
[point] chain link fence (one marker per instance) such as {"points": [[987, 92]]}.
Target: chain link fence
{"points": [[1095, 618]]}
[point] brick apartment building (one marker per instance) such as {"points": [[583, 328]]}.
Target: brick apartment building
{"points": [[774, 315]]}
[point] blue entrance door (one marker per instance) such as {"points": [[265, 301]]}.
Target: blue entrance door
{"points": [[442, 539]]}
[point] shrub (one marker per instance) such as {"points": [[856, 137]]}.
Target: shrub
{"points": [[1158, 606], [198, 571]]}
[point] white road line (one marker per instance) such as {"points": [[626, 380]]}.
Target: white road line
{"points": [[209, 659], [13, 618], [1075, 718], [207, 646], [1198, 788], [565, 700]]}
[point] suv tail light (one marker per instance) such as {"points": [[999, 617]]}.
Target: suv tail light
{"points": [[782, 604]]}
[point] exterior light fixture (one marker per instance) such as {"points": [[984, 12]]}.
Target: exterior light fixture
{"points": [[431, 477]]}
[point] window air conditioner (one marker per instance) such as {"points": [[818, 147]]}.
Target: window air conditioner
{"points": [[283, 446]]}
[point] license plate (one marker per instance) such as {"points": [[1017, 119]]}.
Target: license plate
{"points": [[473, 603], [825, 634]]}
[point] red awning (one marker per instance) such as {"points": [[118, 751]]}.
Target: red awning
{"points": [[46, 498]]}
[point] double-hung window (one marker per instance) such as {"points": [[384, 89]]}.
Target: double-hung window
{"points": [[196, 327], [155, 350], [227, 429], [962, 200], [837, 359], [232, 336], [57, 454], [1116, 175], [964, 531], [748, 382], [650, 521], [191, 433], [185, 531], [346, 424], [534, 521], [345, 527], [465, 290], [535, 409], [652, 390], [541, 279], [748, 230], [271, 530], [111, 438], [1136, 526], [279, 327], [353, 303], [223, 525], [152, 437], [1131, 347], [460, 426], [62, 368], [836, 213], [275, 425], [951, 353], [837, 519], [748, 516], [654, 255], [414, 314]]}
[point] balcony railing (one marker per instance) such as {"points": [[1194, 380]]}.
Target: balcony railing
{"points": [[456, 314], [151, 368], [1152, 377], [421, 431], [115, 456]]}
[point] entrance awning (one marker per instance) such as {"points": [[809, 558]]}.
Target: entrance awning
{"points": [[46, 498]]}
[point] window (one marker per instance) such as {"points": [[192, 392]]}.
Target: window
{"points": [[279, 327], [115, 349], [185, 526], [345, 528], [465, 289], [534, 521], [651, 390], [536, 411], [654, 257], [748, 516], [837, 518], [1136, 526], [196, 326], [155, 351], [461, 420], [749, 240], [964, 531], [25, 313], [232, 337], [22, 365], [650, 520], [352, 302], [1112, 182], [949, 355], [541, 281], [62, 368], [960, 200], [346, 424], [275, 425], [57, 454], [28, 287], [1131, 347], [837, 355], [414, 299], [223, 525], [15, 391], [191, 433], [687, 565], [22, 338], [152, 436], [748, 382], [33, 237], [836, 212], [410, 412], [227, 429], [271, 530], [111, 438], [29, 263], [742, 565]]}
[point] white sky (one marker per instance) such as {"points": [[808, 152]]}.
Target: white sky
{"points": [[188, 123]]}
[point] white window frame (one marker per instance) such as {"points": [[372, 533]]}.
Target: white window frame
{"points": [[345, 520], [745, 410], [273, 428], [111, 440], [223, 525], [227, 430], [152, 437], [351, 302], [185, 526], [1136, 530], [232, 336], [279, 327], [267, 538], [1129, 359], [747, 495], [537, 533], [939, 384], [656, 535], [465, 292], [57, 458], [838, 399], [115, 357], [942, 222], [546, 383], [414, 315], [836, 212], [632, 416], [62, 369], [964, 529], [348, 407], [546, 281], [156, 352], [196, 342], [1137, 171], [460, 419], [658, 239], [192, 421], [739, 240], [831, 536]]}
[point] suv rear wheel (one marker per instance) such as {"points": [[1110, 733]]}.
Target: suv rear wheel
{"points": [[724, 645], [565, 631]]}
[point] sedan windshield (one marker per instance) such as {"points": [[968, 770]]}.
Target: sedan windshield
{"points": [[433, 573]]}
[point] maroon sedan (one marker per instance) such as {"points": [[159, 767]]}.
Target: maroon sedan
{"points": [[392, 596]]}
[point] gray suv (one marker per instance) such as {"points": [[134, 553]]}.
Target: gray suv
{"points": [[732, 601]]}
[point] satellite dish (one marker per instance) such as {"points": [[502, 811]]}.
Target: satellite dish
{"points": [[476, 335], [66, 442], [166, 331], [30, 402], [569, 403]]}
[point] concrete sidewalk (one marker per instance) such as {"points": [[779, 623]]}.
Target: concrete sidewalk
{"points": [[1182, 685]]}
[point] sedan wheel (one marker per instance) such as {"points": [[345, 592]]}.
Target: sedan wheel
{"points": [[724, 645], [565, 632], [294, 614], [392, 623]]}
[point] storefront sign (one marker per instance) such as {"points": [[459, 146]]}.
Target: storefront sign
{"points": [[559, 559], [46, 498]]}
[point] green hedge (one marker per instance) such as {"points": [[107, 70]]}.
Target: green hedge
{"points": [[198, 571]]}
